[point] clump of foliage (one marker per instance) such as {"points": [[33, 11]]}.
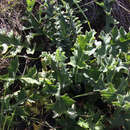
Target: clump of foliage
{"points": [[60, 77]]}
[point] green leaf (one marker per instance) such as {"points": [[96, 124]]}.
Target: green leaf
{"points": [[29, 80], [90, 52], [30, 4], [49, 87], [127, 106], [73, 62], [100, 4], [82, 40], [60, 55], [127, 101], [114, 33], [31, 72], [109, 93], [62, 104], [78, 60], [4, 48], [123, 36], [9, 40], [13, 68], [83, 123], [21, 95]]}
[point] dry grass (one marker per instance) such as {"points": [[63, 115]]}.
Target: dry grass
{"points": [[121, 12], [10, 14]]}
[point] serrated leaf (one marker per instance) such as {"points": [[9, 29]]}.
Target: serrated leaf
{"points": [[30, 80], [78, 60], [85, 40]]}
